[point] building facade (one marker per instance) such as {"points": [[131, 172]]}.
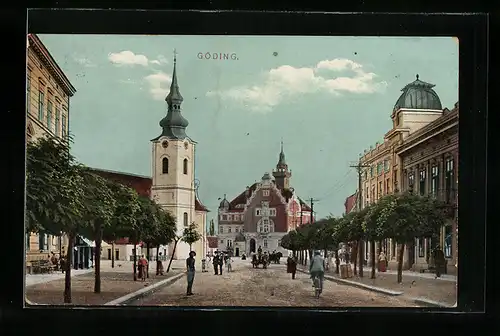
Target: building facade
{"points": [[262, 214], [429, 162], [350, 203], [417, 106], [48, 93], [173, 170]]}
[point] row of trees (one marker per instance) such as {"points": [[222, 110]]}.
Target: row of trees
{"points": [[64, 197], [400, 217]]}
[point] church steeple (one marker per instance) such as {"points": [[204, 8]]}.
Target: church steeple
{"points": [[174, 124], [281, 174]]}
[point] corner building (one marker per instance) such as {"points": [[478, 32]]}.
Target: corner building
{"points": [[262, 214], [417, 106], [173, 167], [48, 93]]}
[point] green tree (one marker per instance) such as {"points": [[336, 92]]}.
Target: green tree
{"points": [[191, 235], [100, 205], [123, 221], [357, 234], [409, 216], [54, 194], [211, 230], [165, 232]]}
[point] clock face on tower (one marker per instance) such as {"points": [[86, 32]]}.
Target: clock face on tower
{"points": [[164, 144]]}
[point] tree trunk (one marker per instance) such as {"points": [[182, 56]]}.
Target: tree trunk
{"points": [[337, 262], [361, 257], [158, 261], [190, 247], [135, 261], [97, 261], [148, 259], [67, 274], [310, 255], [372, 257], [172, 256], [400, 263], [354, 257], [113, 254]]}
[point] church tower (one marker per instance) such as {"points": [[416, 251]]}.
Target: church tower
{"points": [[281, 174], [173, 185]]}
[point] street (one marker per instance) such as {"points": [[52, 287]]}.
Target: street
{"points": [[273, 286]]}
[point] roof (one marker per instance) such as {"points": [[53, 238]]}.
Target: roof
{"points": [[418, 95], [198, 206], [350, 202], [212, 242], [39, 48]]}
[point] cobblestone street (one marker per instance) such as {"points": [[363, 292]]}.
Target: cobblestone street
{"points": [[265, 287]]}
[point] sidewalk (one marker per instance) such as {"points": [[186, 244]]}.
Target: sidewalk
{"points": [[414, 286], [115, 283]]}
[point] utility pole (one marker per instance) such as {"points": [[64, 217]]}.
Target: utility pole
{"points": [[359, 167], [312, 200]]}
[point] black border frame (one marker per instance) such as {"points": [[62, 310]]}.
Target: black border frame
{"points": [[472, 31]]}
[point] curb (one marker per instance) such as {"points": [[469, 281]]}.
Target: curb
{"points": [[430, 303], [360, 285], [124, 300]]}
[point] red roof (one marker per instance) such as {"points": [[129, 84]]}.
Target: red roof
{"points": [[212, 242], [198, 206], [350, 202]]}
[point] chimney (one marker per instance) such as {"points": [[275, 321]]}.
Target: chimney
{"points": [[247, 192]]}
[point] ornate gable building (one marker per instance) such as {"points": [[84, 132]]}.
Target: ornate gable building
{"points": [[262, 214]]}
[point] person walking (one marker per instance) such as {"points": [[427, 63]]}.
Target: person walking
{"points": [[292, 266], [190, 269], [439, 261], [221, 263], [215, 262], [159, 265], [229, 262]]}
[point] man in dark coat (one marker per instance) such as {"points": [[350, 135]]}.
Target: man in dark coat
{"points": [[215, 262], [439, 261], [292, 266], [221, 263]]}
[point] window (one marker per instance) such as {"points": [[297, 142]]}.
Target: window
{"points": [[421, 187], [386, 165], [224, 217], [379, 168], [380, 189], [272, 212], [448, 233], [265, 242], [58, 120], [387, 186], [265, 221], [186, 219], [257, 212], [434, 180], [371, 171], [229, 217], [164, 165], [236, 230], [28, 92], [42, 241], [229, 230], [41, 98], [222, 241], [449, 179], [221, 229], [266, 228], [411, 181], [236, 218], [49, 115], [265, 193], [63, 127], [185, 167]]}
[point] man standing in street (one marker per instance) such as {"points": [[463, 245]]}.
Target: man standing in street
{"points": [[221, 262], [215, 262], [190, 262], [439, 261]]}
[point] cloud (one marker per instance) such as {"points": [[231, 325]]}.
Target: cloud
{"points": [[287, 81], [159, 83], [128, 58], [127, 81], [84, 61]]}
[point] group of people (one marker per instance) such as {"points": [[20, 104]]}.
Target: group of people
{"points": [[218, 261]]}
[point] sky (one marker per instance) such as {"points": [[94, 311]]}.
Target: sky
{"points": [[326, 98]]}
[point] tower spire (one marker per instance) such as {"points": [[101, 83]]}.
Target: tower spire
{"points": [[174, 124]]}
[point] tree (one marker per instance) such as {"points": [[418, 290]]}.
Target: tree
{"points": [[176, 239], [165, 232], [100, 207], [357, 234], [409, 216], [211, 230], [123, 221], [54, 194], [191, 235]]}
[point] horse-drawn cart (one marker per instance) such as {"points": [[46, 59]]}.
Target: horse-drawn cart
{"points": [[260, 259]]}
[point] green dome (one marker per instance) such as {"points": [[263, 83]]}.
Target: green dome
{"points": [[418, 95]]}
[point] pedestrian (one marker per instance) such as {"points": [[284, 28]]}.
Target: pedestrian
{"points": [[229, 261], [143, 264], [190, 269], [159, 265], [221, 263], [317, 268], [382, 262], [293, 266], [215, 262], [439, 261]]}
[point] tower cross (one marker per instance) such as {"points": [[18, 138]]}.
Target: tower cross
{"points": [[175, 55]]}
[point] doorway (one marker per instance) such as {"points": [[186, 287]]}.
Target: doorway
{"points": [[109, 254], [237, 252], [252, 245], [117, 254]]}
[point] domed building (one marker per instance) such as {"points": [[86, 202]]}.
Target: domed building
{"points": [[262, 213]]}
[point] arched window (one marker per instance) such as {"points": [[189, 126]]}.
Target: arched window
{"points": [[185, 219], [185, 167], [164, 166]]}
